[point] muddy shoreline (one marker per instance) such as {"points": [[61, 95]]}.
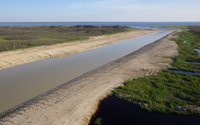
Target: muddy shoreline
{"points": [[74, 102]]}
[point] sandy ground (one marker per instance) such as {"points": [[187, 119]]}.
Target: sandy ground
{"points": [[76, 101], [22, 56]]}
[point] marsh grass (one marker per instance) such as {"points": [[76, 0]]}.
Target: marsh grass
{"points": [[98, 121], [18, 37], [187, 52], [172, 27], [195, 30], [164, 91]]}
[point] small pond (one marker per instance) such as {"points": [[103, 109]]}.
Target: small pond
{"points": [[197, 63], [186, 72], [186, 42], [198, 51], [115, 111]]}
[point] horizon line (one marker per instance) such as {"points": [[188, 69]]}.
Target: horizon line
{"points": [[105, 22]]}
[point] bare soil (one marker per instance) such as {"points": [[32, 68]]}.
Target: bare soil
{"points": [[76, 101]]}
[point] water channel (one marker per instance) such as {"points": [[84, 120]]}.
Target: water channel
{"points": [[21, 83], [196, 63], [186, 72]]}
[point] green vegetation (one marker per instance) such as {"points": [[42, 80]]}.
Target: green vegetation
{"points": [[187, 52], [98, 121], [195, 30], [162, 92], [169, 92], [17, 37], [172, 27]]}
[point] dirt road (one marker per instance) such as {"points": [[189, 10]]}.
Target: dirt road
{"points": [[76, 101]]}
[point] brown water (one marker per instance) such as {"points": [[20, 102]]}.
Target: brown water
{"points": [[21, 83]]}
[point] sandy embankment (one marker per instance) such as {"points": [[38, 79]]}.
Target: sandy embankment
{"points": [[22, 56], [76, 101]]}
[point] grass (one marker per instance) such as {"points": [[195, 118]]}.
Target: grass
{"points": [[127, 30], [163, 92], [98, 121], [187, 52], [17, 37], [172, 27], [166, 90]]}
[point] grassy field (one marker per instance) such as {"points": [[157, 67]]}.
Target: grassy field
{"points": [[169, 92], [18, 37], [172, 27]]}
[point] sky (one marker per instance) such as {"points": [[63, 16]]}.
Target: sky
{"points": [[99, 10]]}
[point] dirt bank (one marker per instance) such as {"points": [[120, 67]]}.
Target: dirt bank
{"points": [[76, 101], [22, 56]]}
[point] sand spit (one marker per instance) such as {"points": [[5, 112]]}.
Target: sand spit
{"points": [[14, 58], [74, 102]]}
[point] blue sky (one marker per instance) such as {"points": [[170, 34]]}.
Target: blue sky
{"points": [[99, 10]]}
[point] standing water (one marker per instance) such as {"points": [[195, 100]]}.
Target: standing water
{"points": [[198, 50], [115, 111], [186, 72], [21, 83]]}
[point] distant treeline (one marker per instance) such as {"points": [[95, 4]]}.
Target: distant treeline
{"points": [[15, 37]]}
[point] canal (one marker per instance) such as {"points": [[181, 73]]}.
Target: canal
{"points": [[21, 83]]}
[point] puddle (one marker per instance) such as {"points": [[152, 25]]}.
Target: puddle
{"points": [[198, 50], [185, 72], [197, 63], [186, 42]]}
